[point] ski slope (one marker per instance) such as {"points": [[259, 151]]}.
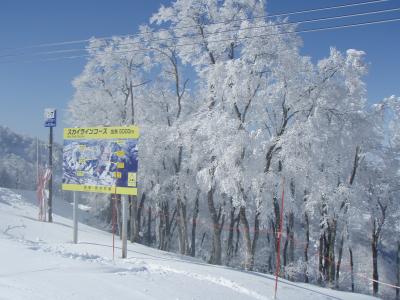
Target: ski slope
{"points": [[39, 261]]}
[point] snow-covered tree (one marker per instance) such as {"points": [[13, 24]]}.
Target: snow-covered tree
{"points": [[215, 149]]}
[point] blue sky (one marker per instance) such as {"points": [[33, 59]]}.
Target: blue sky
{"points": [[26, 88]]}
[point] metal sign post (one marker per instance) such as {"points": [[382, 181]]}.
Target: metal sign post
{"points": [[75, 217], [102, 160], [50, 200], [124, 200], [50, 121]]}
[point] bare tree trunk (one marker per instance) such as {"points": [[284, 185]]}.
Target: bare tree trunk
{"points": [[326, 268], [134, 225], [185, 230], [249, 259], [144, 222], [148, 236], [182, 226], [217, 227], [194, 225], [374, 249], [275, 228], [320, 258], [165, 226], [109, 215], [328, 248], [202, 239], [255, 235], [289, 258], [307, 225], [119, 219], [398, 271], [269, 261], [332, 258], [216, 254], [139, 215], [229, 248], [339, 261], [237, 234], [161, 229], [285, 247], [290, 232], [273, 245], [291, 237], [170, 230], [351, 268]]}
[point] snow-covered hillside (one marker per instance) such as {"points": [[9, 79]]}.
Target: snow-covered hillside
{"points": [[38, 261], [18, 157]]}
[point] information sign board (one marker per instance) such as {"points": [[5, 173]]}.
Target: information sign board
{"points": [[101, 159]]}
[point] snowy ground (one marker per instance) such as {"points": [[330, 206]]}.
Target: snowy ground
{"points": [[38, 261]]}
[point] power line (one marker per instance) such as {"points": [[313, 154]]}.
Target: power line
{"points": [[214, 33], [228, 40], [291, 13]]}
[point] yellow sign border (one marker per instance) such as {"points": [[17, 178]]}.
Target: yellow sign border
{"points": [[116, 132], [100, 189]]}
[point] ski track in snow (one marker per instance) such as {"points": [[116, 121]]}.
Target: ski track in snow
{"points": [[60, 250], [215, 280]]}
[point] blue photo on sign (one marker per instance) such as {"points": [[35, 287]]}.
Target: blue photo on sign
{"points": [[50, 117], [100, 162]]}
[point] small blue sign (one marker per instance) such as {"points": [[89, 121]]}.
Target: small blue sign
{"points": [[50, 117]]}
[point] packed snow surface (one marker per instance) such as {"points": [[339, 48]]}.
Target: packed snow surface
{"points": [[39, 261]]}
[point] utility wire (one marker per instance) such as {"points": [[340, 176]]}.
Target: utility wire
{"points": [[291, 13], [208, 34], [228, 40]]}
